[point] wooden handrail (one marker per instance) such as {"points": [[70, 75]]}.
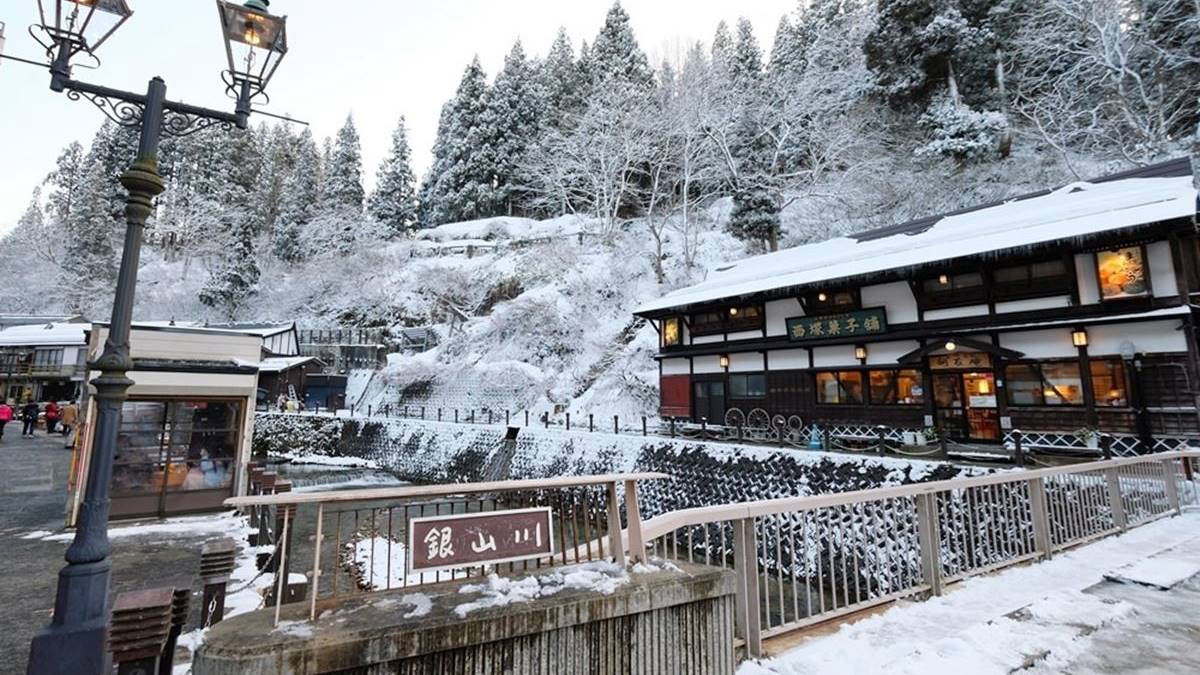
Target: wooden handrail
{"points": [[411, 491], [669, 522]]}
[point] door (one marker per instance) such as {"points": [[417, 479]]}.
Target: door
{"points": [[710, 402], [966, 405]]}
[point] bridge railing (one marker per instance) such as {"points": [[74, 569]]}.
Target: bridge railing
{"points": [[806, 560]]}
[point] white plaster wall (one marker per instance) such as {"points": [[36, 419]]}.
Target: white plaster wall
{"points": [[778, 312], [1052, 302], [1162, 269], [954, 312], [746, 363], [1085, 275], [788, 359], [1147, 337], [70, 355], [1041, 344], [897, 297], [675, 367], [708, 339], [889, 353], [838, 355], [707, 364], [746, 335]]}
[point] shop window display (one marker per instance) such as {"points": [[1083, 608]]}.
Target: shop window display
{"points": [[176, 446]]}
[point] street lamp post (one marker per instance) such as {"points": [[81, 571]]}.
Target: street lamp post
{"points": [[76, 640]]}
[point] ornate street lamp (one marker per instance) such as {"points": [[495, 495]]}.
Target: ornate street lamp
{"points": [[76, 640]]}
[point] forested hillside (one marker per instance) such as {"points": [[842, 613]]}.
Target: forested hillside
{"points": [[860, 114]]}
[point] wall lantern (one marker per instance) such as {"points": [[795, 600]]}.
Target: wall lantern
{"points": [[950, 346], [724, 360], [1079, 337], [733, 311], [860, 353], [944, 280], [821, 297], [985, 387]]}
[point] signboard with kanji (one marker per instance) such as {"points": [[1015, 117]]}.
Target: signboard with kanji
{"points": [[969, 360], [861, 323], [469, 539]]}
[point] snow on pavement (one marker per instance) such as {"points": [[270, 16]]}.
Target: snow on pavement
{"points": [[993, 624]]}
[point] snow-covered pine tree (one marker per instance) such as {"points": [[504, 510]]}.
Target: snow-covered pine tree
{"points": [[343, 191], [755, 215], [512, 121], [459, 184], [89, 266], [616, 58], [234, 280], [394, 201], [561, 82], [721, 55], [278, 164], [298, 202]]}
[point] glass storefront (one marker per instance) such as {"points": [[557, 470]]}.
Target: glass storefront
{"points": [[175, 456]]}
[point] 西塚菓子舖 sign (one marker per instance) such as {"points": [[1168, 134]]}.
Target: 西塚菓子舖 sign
{"points": [[847, 325], [469, 539]]}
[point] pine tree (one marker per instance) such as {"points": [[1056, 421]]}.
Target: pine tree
{"points": [[616, 58], [89, 268], [721, 57], [343, 174], [512, 121], [746, 67], [65, 183], [299, 199], [278, 160], [459, 183], [561, 82], [235, 279], [394, 202]]}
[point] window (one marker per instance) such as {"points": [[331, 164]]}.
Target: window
{"points": [[1122, 273], [1054, 383], [1108, 383], [748, 386], [672, 335], [47, 357], [1032, 280], [947, 290], [890, 387], [831, 300], [176, 446], [840, 387], [729, 319]]}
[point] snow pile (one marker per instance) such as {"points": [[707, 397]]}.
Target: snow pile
{"points": [[1161, 572], [378, 563], [505, 229], [601, 577], [188, 526]]}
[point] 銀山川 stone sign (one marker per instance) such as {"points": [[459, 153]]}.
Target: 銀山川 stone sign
{"points": [[468, 539]]}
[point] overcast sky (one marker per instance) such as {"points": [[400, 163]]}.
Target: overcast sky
{"points": [[377, 59]]}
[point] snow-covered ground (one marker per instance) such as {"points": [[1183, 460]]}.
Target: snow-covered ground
{"points": [[1033, 617]]}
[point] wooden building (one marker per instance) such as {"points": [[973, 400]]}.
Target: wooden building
{"points": [[1062, 313]]}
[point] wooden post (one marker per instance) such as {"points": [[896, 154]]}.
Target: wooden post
{"points": [[526, 418], [179, 612], [489, 417], [614, 526], [929, 539], [1039, 509], [672, 427], [637, 545], [316, 570], [591, 425], [1172, 488], [1018, 448], [881, 431], [644, 430], [422, 412], [282, 574], [506, 418], [826, 438], [745, 563], [1106, 442], [568, 421], [616, 425], [703, 427], [1112, 481], [456, 415], [739, 431], [472, 416]]}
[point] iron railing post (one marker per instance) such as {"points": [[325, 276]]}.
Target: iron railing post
{"points": [[1112, 481], [745, 562], [1040, 513], [929, 539]]}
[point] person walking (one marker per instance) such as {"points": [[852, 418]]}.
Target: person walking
{"points": [[6, 415], [70, 418], [29, 415], [52, 415]]}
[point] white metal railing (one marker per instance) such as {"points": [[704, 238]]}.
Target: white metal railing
{"points": [[806, 560]]}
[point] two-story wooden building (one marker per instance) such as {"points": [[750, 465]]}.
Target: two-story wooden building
{"points": [[1060, 313]]}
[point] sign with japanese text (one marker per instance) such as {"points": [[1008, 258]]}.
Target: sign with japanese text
{"points": [[468, 539], [971, 360], [847, 325]]}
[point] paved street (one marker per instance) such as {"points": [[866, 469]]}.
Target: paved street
{"points": [[32, 499]]}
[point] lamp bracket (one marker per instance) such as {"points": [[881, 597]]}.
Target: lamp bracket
{"points": [[124, 112]]}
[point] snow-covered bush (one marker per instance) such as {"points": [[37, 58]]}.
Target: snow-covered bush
{"points": [[960, 133]]}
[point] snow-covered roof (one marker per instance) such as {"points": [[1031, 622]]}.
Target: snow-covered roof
{"points": [[1074, 210], [275, 364], [47, 334]]}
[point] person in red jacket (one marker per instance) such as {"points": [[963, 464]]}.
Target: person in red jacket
{"points": [[6, 415], [52, 414]]}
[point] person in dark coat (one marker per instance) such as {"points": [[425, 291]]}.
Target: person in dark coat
{"points": [[29, 415]]}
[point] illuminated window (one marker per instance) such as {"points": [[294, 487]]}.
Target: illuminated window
{"points": [[840, 387], [1108, 383], [1122, 273], [1054, 383], [672, 334]]}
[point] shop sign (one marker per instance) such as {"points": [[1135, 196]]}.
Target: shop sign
{"points": [[848, 325], [970, 360], [469, 539]]}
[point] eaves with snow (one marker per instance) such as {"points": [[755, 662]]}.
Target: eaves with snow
{"points": [[1076, 211]]}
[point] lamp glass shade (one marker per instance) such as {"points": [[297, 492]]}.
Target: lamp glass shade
{"points": [[117, 7], [950, 346], [254, 27], [724, 361], [821, 297], [1079, 338], [860, 352]]}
